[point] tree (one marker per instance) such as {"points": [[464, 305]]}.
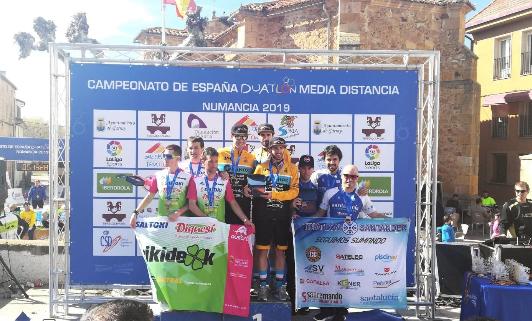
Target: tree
{"points": [[78, 32], [45, 29], [195, 26]]}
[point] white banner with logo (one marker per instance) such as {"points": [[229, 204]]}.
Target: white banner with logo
{"points": [[358, 263]]}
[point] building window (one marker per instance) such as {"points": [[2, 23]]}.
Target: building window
{"points": [[502, 64], [525, 120], [499, 127], [500, 162], [526, 55]]}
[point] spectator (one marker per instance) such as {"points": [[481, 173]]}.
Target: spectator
{"points": [[28, 217], [119, 310], [447, 231], [37, 195], [495, 226], [479, 213], [452, 207], [487, 200]]}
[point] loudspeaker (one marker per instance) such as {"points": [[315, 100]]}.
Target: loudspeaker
{"points": [[453, 260]]}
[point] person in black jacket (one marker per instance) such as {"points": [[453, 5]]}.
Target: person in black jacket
{"points": [[516, 214]]}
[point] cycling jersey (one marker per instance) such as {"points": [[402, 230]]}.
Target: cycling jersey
{"points": [[308, 193], [174, 200], [325, 181], [338, 203], [239, 166], [221, 192], [194, 169], [283, 182]]}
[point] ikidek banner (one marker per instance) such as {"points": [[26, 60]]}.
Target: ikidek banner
{"points": [[198, 264], [344, 263]]}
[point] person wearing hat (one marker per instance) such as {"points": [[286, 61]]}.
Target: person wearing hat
{"points": [[306, 204], [266, 132], [239, 163], [273, 215], [29, 218]]}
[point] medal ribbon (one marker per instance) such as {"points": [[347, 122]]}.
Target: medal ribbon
{"points": [[170, 185], [349, 203], [234, 166], [210, 190], [192, 169]]}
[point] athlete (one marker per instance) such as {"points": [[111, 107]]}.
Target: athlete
{"points": [[207, 194], [306, 203], [274, 216], [193, 165], [170, 185], [266, 132], [330, 177], [239, 163], [344, 202]]}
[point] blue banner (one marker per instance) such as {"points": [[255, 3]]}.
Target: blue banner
{"points": [[344, 263], [24, 149], [123, 116]]}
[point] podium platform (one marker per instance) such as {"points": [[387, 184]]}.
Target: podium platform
{"points": [[265, 311]]}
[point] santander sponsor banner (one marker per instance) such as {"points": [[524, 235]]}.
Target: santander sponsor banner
{"points": [[359, 264], [198, 257]]}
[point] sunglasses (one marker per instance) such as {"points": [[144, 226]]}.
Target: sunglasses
{"points": [[519, 191], [351, 177], [243, 137], [169, 156]]}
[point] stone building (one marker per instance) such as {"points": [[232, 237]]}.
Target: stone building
{"points": [[380, 24]]}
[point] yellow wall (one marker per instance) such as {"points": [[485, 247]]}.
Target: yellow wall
{"points": [[484, 48]]}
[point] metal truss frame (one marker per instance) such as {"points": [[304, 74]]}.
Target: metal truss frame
{"points": [[427, 63]]}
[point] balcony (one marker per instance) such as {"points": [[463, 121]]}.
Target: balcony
{"points": [[501, 67], [526, 63]]}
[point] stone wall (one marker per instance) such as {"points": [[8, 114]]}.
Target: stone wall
{"points": [[395, 25]]}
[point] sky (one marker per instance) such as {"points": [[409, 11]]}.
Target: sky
{"points": [[122, 22]]}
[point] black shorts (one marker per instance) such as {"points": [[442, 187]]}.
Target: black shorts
{"points": [[230, 216], [37, 203], [272, 226]]}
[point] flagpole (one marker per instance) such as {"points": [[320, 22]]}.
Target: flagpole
{"points": [[163, 29]]}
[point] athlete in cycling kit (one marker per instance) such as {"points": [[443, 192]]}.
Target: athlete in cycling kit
{"points": [[330, 177], [193, 165], [170, 185], [239, 163]]}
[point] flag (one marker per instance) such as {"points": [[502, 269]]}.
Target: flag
{"points": [[184, 7]]}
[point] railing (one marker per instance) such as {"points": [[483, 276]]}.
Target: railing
{"points": [[501, 67], [526, 63], [525, 125], [499, 127]]}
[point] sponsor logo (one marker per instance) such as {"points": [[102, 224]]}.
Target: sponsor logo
{"points": [[372, 153], [112, 183], [332, 239], [386, 271], [314, 269], [108, 242], [114, 208], [349, 227], [158, 121], [349, 257], [103, 125], [240, 234], [384, 284], [195, 228], [288, 86], [320, 127], [158, 225], [194, 121], [347, 270], [348, 285], [321, 297], [379, 298], [100, 124], [153, 156], [385, 258], [378, 186], [287, 128], [373, 124], [114, 150], [201, 129], [314, 282], [313, 254], [194, 257], [383, 228]]}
